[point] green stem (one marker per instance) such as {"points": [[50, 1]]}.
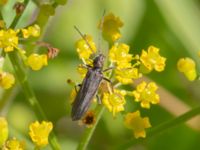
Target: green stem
{"points": [[163, 127], [22, 78], [88, 132]]}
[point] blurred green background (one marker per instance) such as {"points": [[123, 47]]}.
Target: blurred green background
{"points": [[171, 25]]}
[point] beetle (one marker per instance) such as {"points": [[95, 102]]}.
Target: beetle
{"points": [[88, 88]]}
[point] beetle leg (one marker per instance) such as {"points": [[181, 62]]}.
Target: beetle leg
{"points": [[108, 69], [78, 85], [108, 80]]}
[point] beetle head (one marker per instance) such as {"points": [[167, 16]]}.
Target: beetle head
{"points": [[98, 61]]}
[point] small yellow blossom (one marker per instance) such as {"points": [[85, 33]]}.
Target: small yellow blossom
{"points": [[6, 80], [3, 131], [127, 75], [36, 61], [31, 31], [39, 132], [138, 124], [8, 39], [119, 54], [145, 93], [85, 47], [114, 102], [82, 69], [151, 59], [110, 27], [14, 144], [188, 67]]}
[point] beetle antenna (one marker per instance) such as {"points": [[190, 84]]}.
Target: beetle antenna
{"points": [[83, 36], [100, 34]]}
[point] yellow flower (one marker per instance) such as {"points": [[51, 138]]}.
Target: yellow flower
{"points": [[36, 61], [145, 93], [31, 31], [39, 132], [85, 47], [8, 39], [151, 59], [3, 131], [114, 101], [110, 27], [188, 67], [126, 75], [14, 144], [119, 54], [138, 124], [6, 80]]}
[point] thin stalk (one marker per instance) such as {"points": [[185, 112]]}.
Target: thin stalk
{"points": [[162, 127], [88, 132], [20, 73]]}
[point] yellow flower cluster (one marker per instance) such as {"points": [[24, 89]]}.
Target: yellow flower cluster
{"points": [[110, 25], [151, 59], [6, 80], [138, 124], [39, 133], [145, 93], [125, 69], [9, 41], [114, 101], [188, 67]]}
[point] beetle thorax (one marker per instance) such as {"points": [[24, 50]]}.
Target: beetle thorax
{"points": [[98, 61]]}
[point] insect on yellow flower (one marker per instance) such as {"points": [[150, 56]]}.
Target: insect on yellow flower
{"points": [[188, 67], [3, 131], [39, 132], [151, 59], [115, 101], [138, 124], [6, 80], [146, 94], [36, 61]]}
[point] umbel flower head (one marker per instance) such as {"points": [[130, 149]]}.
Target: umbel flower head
{"points": [[188, 67], [138, 124], [151, 59], [14, 144], [8, 39], [6, 80], [39, 132], [146, 94], [36, 61], [85, 47], [110, 25], [115, 101], [3, 131]]}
